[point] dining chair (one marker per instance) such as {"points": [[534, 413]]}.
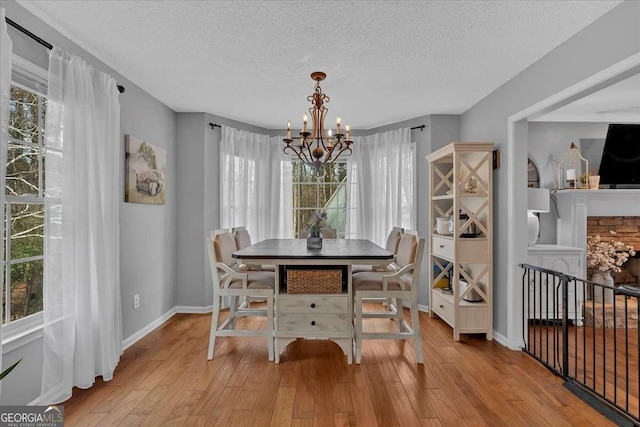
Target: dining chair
{"points": [[395, 286], [243, 240], [392, 246], [229, 281]]}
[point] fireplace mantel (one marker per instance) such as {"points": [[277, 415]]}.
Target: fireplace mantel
{"points": [[575, 205]]}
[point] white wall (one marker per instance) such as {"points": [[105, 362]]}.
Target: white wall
{"points": [[607, 41], [147, 232], [548, 142]]}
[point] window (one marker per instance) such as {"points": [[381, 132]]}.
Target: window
{"points": [[312, 192], [23, 263]]}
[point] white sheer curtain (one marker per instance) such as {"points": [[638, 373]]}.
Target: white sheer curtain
{"points": [[82, 330], [5, 96], [381, 176], [255, 181]]}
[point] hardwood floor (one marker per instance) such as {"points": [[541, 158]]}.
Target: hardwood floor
{"points": [[166, 379], [603, 359]]}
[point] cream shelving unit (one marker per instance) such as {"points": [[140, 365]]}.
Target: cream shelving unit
{"points": [[467, 261]]}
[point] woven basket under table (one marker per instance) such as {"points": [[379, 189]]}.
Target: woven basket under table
{"points": [[305, 281]]}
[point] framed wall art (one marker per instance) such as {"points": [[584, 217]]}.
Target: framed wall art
{"points": [[145, 172]]}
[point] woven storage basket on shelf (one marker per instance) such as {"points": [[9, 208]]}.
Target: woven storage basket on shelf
{"points": [[314, 281]]}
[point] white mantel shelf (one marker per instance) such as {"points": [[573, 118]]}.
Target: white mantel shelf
{"points": [[574, 206], [618, 202]]}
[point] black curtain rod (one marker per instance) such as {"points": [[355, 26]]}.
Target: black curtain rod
{"points": [[421, 127], [40, 41]]}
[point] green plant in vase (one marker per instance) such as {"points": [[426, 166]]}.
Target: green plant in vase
{"points": [[316, 223]]}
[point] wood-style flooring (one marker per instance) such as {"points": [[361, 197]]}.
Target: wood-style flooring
{"points": [[165, 379], [604, 359]]}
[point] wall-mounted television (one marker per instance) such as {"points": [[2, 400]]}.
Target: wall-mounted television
{"points": [[620, 164]]}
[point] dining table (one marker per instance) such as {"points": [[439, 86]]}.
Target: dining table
{"points": [[313, 292]]}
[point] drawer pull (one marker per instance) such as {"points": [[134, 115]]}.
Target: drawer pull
{"points": [[313, 305], [442, 306], [313, 323], [441, 246]]}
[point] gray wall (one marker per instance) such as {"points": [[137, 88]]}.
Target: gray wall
{"points": [[198, 170], [147, 232], [548, 142], [190, 285], [610, 39]]}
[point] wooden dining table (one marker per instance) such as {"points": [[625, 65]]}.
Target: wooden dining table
{"points": [[309, 300]]}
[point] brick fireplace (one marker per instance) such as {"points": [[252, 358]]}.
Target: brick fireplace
{"points": [[627, 229], [582, 212], [619, 207]]}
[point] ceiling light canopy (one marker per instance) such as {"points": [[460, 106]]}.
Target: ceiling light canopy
{"points": [[318, 147]]}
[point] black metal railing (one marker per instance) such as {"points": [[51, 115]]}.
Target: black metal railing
{"points": [[588, 334]]}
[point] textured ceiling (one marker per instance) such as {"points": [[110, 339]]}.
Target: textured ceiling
{"points": [[385, 61], [618, 103]]}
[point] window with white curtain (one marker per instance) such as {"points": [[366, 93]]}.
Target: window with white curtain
{"points": [[24, 199], [255, 184], [381, 174], [324, 191]]}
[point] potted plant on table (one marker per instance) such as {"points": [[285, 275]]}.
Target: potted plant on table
{"points": [[314, 227], [606, 257]]}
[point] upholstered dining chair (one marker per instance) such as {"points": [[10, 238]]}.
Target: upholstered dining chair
{"points": [[392, 246], [229, 281], [395, 286], [243, 240]]}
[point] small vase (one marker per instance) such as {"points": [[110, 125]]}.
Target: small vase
{"points": [[601, 294], [314, 241]]}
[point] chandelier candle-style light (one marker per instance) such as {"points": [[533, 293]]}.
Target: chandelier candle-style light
{"points": [[318, 147]]}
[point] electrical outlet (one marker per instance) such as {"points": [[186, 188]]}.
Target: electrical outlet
{"points": [[136, 301]]}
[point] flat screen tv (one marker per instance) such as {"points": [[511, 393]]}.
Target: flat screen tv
{"points": [[620, 165]]}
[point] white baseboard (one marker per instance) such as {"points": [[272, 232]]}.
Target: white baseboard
{"points": [[193, 310], [498, 337], [501, 339], [147, 329]]}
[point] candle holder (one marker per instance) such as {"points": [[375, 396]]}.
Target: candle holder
{"points": [[571, 168]]}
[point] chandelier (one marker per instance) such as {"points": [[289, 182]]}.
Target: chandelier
{"points": [[318, 147]]}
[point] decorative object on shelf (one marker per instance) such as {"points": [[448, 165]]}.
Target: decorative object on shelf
{"points": [[471, 229], [594, 181], [316, 148], [537, 201], [470, 295], [471, 185], [571, 168], [314, 226], [444, 226]]}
